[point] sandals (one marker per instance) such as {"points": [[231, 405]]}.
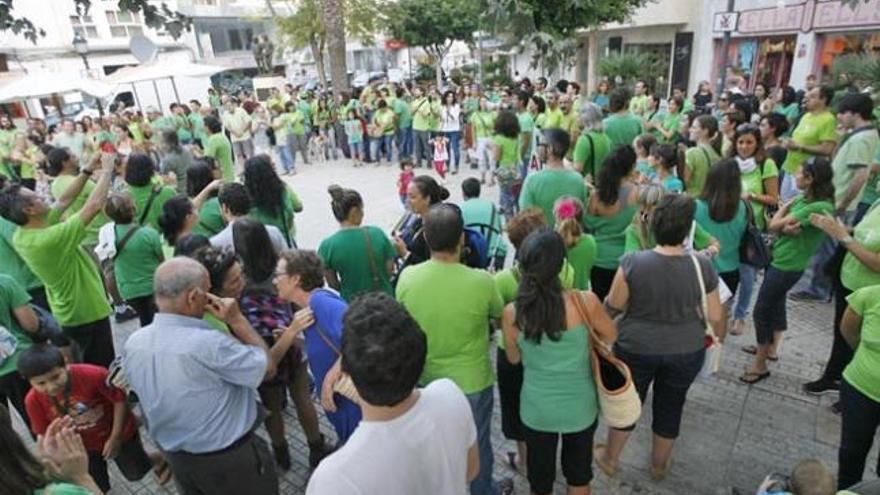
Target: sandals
{"points": [[598, 454], [163, 473], [752, 349], [738, 327], [752, 377]]}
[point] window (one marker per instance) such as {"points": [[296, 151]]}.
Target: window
{"points": [[230, 36], [124, 24], [84, 26]]}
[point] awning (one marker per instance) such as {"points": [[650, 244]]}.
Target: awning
{"points": [[162, 70], [40, 85]]}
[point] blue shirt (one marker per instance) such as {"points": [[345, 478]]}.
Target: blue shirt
{"points": [[197, 386]]}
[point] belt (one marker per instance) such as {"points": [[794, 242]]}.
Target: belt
{"points": [[234, 445]]}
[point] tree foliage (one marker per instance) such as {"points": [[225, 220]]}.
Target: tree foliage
{"points": [[155, 16]]}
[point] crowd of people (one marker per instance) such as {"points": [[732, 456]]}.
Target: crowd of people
{"points": [[182, 220]]}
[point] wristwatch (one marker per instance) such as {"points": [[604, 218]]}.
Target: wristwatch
{"points": [[846, 241]]}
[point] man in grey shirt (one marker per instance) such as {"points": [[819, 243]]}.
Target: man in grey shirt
{"points": [[198, 386], [235, 203], [176, 160]]}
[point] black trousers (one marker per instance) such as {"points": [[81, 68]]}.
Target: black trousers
{"points": [[95, 341], [145, 307], [731, 280], [576, 457], [841, 352], [860, 417], [600, 281], [14, 388], [245, 467], [38, 297], [132, 461], [510, 380]]}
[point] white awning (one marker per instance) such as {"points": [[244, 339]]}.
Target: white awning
{"points": [[162, 70], [40, 85]]}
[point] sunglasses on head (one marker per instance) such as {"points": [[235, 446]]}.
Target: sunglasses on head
{"points": [[746, 128]]}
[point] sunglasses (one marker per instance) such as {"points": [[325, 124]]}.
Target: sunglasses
{"points": [[746, 128]]}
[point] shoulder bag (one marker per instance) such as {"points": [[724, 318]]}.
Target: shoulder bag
{"points": [[712, 362], [344, 386], [153, 193], [122, 242], [291, 244], [374, 270], [753, 249], [619, 402]]}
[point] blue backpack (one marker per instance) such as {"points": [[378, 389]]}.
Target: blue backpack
{"points": [[476, 250]]}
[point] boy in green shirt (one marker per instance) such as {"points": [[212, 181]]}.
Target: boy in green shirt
{"points": [[219, 148], [622, 127]]}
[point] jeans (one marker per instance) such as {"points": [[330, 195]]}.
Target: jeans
{"points": [[243, 149], [860, 417], [421, 149], [820, 283], [300, 142], [787, 187], [770, 311], [671, 376], [485, 158], [524, 168], [454, 147], [403, 138], [507, 201], [287, 157], [747, 277], [481, 407], [378, 143]]}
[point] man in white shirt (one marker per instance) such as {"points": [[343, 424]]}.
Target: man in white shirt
{"points": [[235, 204], [427, 435], [238, 122]]}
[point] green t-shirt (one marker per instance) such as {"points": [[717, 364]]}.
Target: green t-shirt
{"points": [[634, 242], [59, 185], [215, 322], [544, 188], [590, 151], [219, 148], [141, 196], [753, 182], [424, 113], [12, 296], [791, 253], [863, 372], [354, 131], [622, 129], [812, 130], [791, 112], [699, 160], [136, 264], [74, 288], [854, 274], [729, 234], [10, 262], [404, 114], [481, 213], [510, 156], [638, 104], [182, 123], [137, 132], [552, 119], [347, 253], [855, 153], [198, 126], [62, 489], [297, 121], [484, 123], [456, 324], [210, 219], [671, 122], [526, 125], [610, 234], [581, 257], [872, 194], [282, 220], [385, 120]]}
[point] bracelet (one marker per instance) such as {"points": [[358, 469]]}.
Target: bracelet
{"points": [[86, 172]]}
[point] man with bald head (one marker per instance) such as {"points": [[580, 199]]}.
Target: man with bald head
{"points": [[456, 326], [198, 386]]}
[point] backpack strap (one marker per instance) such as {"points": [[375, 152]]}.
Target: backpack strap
{"points": [[592, 156], [120, 245], [153, 193]]}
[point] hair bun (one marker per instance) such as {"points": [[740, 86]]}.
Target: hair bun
{"points": [[443, 193], [335, 191]]}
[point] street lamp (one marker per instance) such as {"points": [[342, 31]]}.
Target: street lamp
{"points": [[82, 47]]}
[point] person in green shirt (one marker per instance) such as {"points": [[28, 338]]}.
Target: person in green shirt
{"points": [[507, 157], [722, 212], [274, 202], [299, 127], [483, 124], [580, 247], [860, 386], [149, 196], [403, 137], [856, 151], [671, 123], [382, 131], [872, 186], [791, 252], [138, 254], [64, 167], [214, 98], [197, 123], [815, 135], [545, 187], [526, 131], [550, 331], [357, 259], [638, 104], [592, 145], [219, 148], [652, 118], [18, 324], [483, 215], [700, 158], [180, 117], [554, 115], [74, 288], [622, 127], [788, 105], [456, 325], [424, 110]]}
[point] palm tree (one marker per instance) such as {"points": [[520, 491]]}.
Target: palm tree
{"points": [[334, 22]]}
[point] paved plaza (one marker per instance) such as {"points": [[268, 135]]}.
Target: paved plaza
{"points": [[732, 434]]}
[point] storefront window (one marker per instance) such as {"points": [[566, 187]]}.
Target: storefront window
{"points": [[834, 45], [760, 60]]}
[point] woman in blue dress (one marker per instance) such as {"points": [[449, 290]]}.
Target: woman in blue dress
{"points": [[300, 280]]}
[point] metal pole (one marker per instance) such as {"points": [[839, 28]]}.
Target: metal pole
{"points": [[409, 60], [158, 99], [97, 99], [137, 99], [725, 43], [174, 87]]}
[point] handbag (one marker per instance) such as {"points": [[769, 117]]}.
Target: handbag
{"points": [[344, 386], [753, 248], [712, 362], [619, 402]]}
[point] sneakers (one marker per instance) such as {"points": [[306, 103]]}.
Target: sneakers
{"points": [[318, 451], [821, 387], [807, 296], [124, 314]]}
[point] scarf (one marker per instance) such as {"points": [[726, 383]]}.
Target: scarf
{"points": [[746, 166]]}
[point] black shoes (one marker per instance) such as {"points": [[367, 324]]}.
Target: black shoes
{"points": [[821, 387]]}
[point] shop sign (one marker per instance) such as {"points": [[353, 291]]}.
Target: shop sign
{"points": [[837, 14], [772, 20], [724, 22]]}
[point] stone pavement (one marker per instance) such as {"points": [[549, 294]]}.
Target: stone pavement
{"points": [[731, 437]]}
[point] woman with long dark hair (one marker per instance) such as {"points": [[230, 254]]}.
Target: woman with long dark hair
{"points": [[609, 213], [797, 242], [450, 125], [707, 152], [266, 311], [140, 171], [546, 331], [723, 214], [408, 236], [199, 176], [356, 259], [275, 203]]}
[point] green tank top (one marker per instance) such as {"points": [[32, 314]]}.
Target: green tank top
{"points": [[558, 392], [610, 234]]}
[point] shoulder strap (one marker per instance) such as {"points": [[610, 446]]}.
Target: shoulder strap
{"points": [[153, 193], [326, 338], [373, 268], [284, 225], [708, 159], [592, 156], [120, 245], [491, 228], [750, 213], [704, 300]]}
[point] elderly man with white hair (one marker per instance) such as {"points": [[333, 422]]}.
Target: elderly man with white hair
{"points": [[198, 386], [592, 145]]}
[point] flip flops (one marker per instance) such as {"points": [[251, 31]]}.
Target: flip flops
{"points": [[163, 473], [751, 349], [751, 377], [598, 454]]}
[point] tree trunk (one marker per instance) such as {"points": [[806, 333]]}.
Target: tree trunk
{"points": [[318, 54], [333, 12]]}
